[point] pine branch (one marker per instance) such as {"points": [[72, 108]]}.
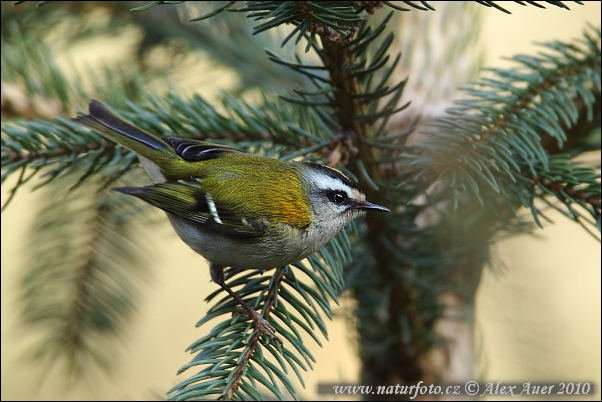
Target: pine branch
{"points": [[341, 12], [153, 4], [413, 257], [62, 24], [75, 291], [357, 102], [522, 3], [38, 88], [65, 147], [51, 145], [57, 150], [231, 358], [162, 29], [571, 185], [498, 132]]}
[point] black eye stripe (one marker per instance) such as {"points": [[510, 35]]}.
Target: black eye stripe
{"points": [[337, 197]]}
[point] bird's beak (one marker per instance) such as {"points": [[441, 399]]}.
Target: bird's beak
{"points": [[369, 205]]}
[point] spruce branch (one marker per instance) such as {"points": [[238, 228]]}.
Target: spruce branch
{"points": [[495, 5], [269, 129], [402, 265], [58, 148], [359, 100], [498, 131], [163, 30], [39, 88], [61, 147], [396, 245], [153, 4], [570, 184], [326, 17], [231, 359], [74, 290]]}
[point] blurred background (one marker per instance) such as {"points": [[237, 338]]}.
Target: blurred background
{"points": [[537, 314]]}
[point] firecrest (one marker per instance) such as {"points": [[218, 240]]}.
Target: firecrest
{"points": [[234, 208]]}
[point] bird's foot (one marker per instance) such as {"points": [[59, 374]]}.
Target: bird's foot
{"points": [[262, 325]]}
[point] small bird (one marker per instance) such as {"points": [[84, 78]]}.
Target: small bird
{"points": [[234, 208]]}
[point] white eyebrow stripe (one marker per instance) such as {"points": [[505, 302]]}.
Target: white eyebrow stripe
{"points": [[328, 183]]}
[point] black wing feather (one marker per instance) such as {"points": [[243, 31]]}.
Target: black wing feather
{"points": [[194, 150]]}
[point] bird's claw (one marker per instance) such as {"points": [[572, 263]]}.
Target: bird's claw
{"points": [[261, 324]]}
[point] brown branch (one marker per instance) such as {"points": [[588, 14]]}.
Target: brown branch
{"points": [[527, 99], [578, 131], [252, 345], [400, 363], [564, 190]]}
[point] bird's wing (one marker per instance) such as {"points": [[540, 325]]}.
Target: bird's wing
{"points": [[195, 150], [186, 199]]}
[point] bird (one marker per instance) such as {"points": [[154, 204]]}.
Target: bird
{"points": [[234, 208]]}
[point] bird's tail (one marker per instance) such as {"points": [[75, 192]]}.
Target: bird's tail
{"points": [[104, 122]]}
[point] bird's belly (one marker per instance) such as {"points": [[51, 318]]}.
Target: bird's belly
{"points": [[262, 252]]}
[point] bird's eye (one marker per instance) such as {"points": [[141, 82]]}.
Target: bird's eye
{"points": [[339, 198]]}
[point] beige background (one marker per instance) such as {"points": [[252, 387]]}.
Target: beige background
{"points": [[538, 321]]}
